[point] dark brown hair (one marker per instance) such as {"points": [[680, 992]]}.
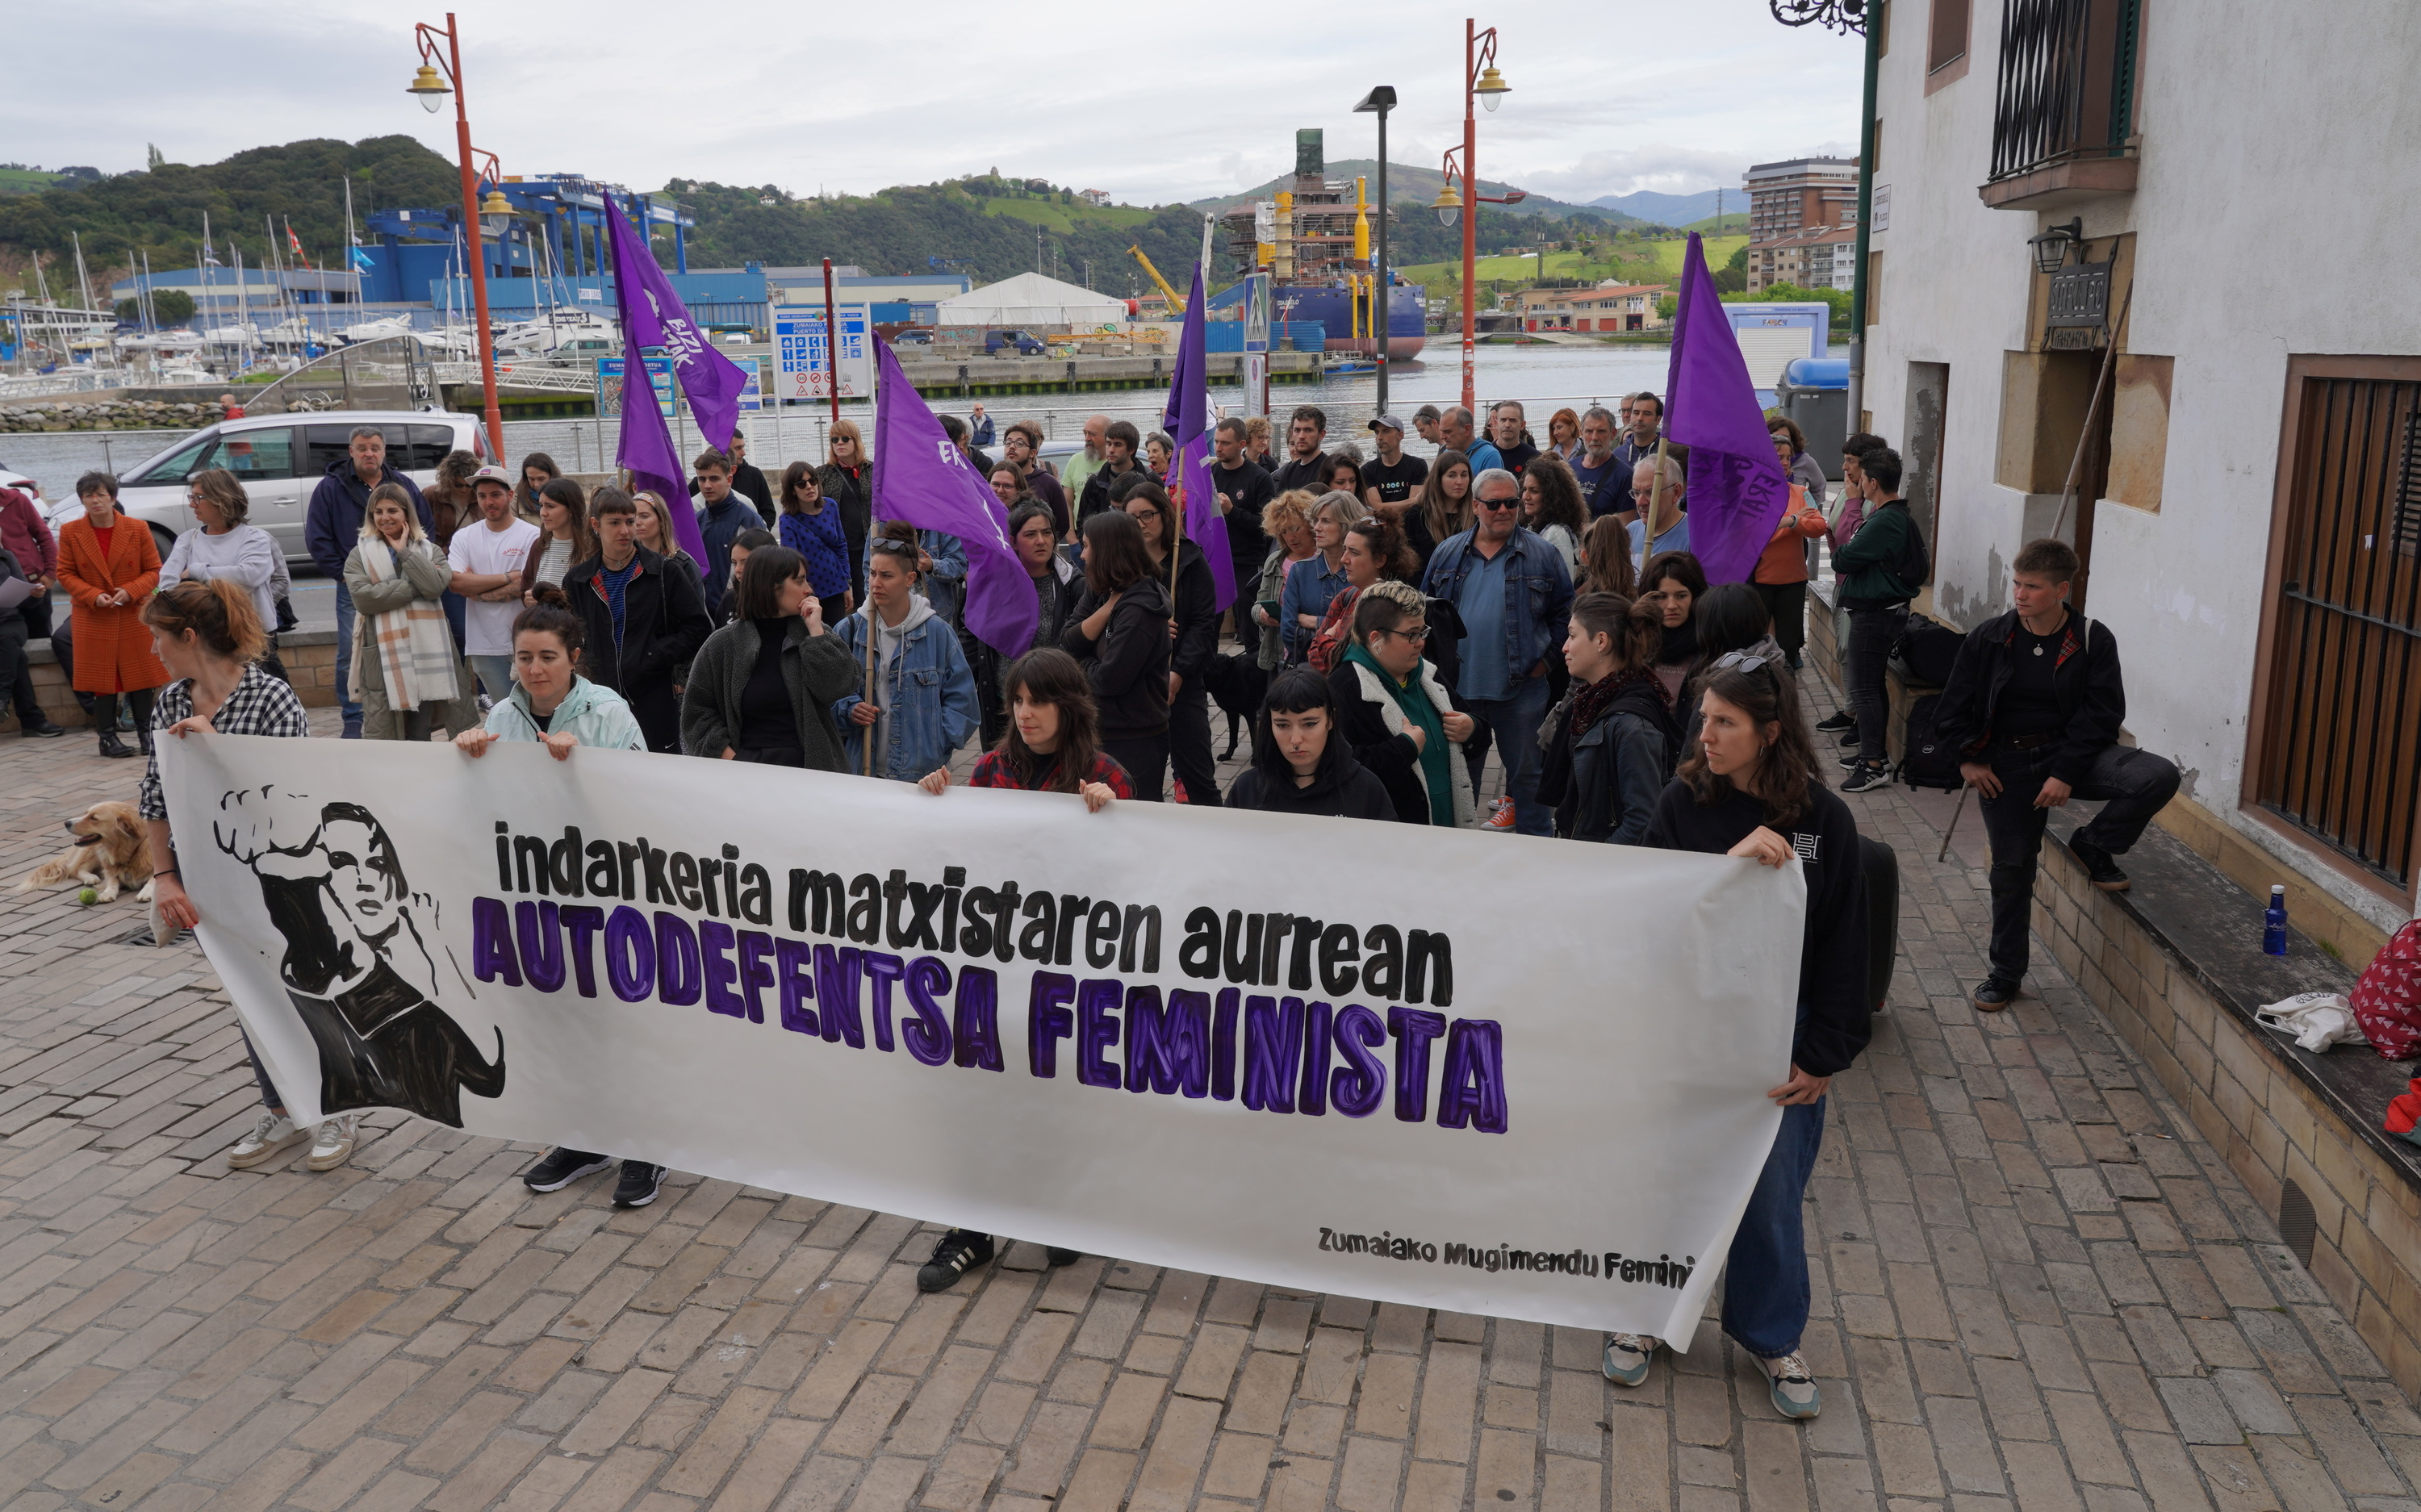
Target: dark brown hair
{"points": [[1636, 630], [2049, 557], [1432, 502], [523, 496], [609, 500], [1116, 557], [797, 472], [574, 500], [1385, 541], [1681, 565], [1559, 494], [1606, 558], [760, 586], [552, 614], [1051, 675], [218, 611], [710, 458], [1785, 769]]}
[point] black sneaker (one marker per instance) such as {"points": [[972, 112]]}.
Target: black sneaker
{"points": [[1995, 994], [1059, 1257], [1839, 718], [558, 1168], [1849, 739], [2100, 869], [44, 731], [959, 1250], [1867, 779], [639, 1184], [1850, 758]]}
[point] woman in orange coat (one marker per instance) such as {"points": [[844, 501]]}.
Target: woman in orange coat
{"points": [[110, 567]]}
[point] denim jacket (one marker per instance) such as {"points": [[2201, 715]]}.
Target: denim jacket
{"points": [[945, 587], [1538, 590], [927, 691]]}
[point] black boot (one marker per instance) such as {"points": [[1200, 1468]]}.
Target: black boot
{"points": [[141, 703], [104, 719]]}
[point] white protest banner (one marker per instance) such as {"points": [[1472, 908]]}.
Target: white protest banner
{"points": [[1500, 1075]]}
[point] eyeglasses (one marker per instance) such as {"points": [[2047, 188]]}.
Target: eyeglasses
{"points": [[1741, 660], [1418, 636]]}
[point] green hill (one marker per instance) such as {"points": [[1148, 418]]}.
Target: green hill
{"points": [[1421, 185], [26, 181]]}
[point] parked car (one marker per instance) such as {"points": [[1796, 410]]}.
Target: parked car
{"points": [[996, 342], [279, 458], [921, 336]]}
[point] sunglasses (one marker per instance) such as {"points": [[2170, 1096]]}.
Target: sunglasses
{"points": [[1741, 660], [1498, 504]]}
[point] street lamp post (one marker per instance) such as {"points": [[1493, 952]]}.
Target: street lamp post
{"points": [[1379, 101], [1483, 85], [439, 75]]}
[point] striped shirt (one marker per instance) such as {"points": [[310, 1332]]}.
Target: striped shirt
{"points": [[261, 704]]}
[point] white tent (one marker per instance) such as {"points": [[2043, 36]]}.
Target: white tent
{"points": [[1030, 298]]}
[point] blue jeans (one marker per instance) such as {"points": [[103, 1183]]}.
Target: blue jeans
{"points": [[495, 673], [1515, 721], [345, 703], [1765, 1276]]}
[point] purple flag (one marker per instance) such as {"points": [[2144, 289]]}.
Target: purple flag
{"points": [[653, 316], [922, 477], [1737, 490], [1188, 421]]}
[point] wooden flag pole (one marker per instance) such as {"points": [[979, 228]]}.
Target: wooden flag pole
{"points": [[2092, 410], [873, 620]]}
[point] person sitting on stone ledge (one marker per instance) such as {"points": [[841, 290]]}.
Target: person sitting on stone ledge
{"points": [[2034, 705]]}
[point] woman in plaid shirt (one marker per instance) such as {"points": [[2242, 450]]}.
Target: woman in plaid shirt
{"points": [[209, 637]]}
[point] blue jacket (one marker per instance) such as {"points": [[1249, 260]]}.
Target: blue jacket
{"points": [[331, 526], [1310, 588], [721, 524], [823, 538], [1538, 590], [591, 713], [926, 691]]}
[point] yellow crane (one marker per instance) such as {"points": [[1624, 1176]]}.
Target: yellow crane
{"points": [[1175, 300]]}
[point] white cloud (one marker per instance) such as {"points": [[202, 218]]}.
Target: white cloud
{"points": [[1163, 105]]}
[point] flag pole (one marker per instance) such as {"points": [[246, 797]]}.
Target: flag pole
{"points": [[872, 622]]}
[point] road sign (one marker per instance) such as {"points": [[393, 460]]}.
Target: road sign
{"points": [[799, 346]]}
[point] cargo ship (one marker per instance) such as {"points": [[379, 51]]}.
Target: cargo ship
{"points": [[1315, 240]]}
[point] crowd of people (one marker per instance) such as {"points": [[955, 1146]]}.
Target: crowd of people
{"points": [[1396, 620]]}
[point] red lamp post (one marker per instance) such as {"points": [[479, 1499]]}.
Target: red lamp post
{"points": [[439, 75], [1483, 85]]}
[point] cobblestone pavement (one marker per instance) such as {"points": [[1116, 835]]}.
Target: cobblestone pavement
{"points": [[2034, 1285]]}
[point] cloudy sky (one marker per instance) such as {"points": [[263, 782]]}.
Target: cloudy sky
{"points": [[1606, 99]]}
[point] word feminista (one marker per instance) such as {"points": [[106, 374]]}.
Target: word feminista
{"points": [[1285, 1053]]}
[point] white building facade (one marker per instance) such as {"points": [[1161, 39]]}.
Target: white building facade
{"points": [[2242, 471]]}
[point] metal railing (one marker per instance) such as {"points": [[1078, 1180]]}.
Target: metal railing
{"points": [[552, 377], [391, 373], [2067, 85], [2340, 756]]}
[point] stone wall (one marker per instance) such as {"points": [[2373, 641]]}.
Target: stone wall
{"points": [[309, 655]]}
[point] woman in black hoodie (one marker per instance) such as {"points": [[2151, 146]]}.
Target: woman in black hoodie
{"points": [[1300, 762], [1607, 750], [1196, 599], [1751, 789], [1119, 633]]}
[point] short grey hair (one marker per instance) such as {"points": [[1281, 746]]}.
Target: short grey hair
{"points": [[1342, 507], [1596, 412], [1514, 405], [359, 432], [1490, 476], [1669, 468]]}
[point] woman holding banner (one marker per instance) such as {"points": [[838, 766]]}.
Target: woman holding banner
{"points": [[1751, 792], [1120, 637]]}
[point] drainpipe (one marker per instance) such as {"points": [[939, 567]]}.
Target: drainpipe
{"points": [[1875, 22]]}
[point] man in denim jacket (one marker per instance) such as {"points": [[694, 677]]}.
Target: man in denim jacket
{"points": [[1514, 597], [924, 704]]}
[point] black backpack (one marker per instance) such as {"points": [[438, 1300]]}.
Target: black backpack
{"points": [[1928, 760], [1926, 651]]}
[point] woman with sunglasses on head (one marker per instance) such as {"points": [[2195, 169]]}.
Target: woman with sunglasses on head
{"points": [[1394, 712], [1750, 790]]}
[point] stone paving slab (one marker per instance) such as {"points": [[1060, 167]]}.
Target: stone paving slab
{"points": [[2035, 1288]]}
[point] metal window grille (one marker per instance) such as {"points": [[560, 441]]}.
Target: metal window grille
{"points": [[2341, 753], [2067, 82]]}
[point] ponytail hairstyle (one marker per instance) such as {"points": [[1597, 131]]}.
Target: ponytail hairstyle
{"points": [[1387, 546], [1633, 628], [218, 611], [1051, 675], [392, 494], [552, 614], [1785, 768]]}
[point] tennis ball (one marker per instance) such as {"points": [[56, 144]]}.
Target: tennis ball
{"points": [[87, 897]]}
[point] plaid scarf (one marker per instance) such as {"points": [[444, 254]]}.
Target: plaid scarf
{"points": [[414, 645]]}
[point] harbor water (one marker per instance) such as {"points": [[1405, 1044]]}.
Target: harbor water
{"points": [[1544, 377]]}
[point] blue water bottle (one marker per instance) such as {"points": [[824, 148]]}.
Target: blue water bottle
{"points": [[2273, 922]]}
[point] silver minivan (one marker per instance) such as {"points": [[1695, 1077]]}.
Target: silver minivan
{"points": [[280, 459]]}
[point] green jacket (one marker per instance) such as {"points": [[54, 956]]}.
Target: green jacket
{"points": [[817, 669], [1868, 567]]}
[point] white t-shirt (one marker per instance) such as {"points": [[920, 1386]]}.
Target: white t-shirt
{"points": [[488, 628]]}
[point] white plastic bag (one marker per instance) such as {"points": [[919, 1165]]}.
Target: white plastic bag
{"points": [[2317, 1020]]}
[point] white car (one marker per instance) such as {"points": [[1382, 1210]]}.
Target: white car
{"points": [[280, 459]]}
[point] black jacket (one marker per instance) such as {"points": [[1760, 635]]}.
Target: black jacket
{"points": [[1096, 496], [855, 493], [1606, 782], [1197, 614], [663, 623], [1341, 788], [1833, 957], [2092, 693], [331, 524], [1128, 666], [1393, 759]]}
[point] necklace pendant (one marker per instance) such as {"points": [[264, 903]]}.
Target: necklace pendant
{"points": [[2037, 650]]}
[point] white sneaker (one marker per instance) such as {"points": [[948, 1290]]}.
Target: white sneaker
{"points": [[333, 1144], [1628, 1356], [274, 1132]]}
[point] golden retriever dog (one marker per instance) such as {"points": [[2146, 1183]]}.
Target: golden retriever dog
{"points": [[110, 854]]}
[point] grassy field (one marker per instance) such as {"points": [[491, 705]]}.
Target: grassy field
{"points": [[1661, 262], [24, 180], [1052, 216]]}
